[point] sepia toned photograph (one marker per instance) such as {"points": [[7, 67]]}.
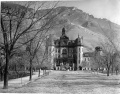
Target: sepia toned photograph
{"points": [[60, 47]]}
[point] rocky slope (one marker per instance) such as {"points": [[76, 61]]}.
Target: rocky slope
{"points": [[77, 22], [92, 29]]}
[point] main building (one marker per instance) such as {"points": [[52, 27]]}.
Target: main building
{"points": [[65, 53]]}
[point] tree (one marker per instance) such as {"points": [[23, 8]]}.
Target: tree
{"points": [[18, 21], [43, 57], [98, 59], [110, 47], [1, 66], [116, 64], [109, 56], [33, 48]]}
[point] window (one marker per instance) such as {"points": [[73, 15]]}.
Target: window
{"points": [[72, 56], [64, 51], [88, 59], [49, 50], [56, 50]]}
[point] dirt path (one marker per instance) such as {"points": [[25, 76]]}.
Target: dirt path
{"points": [[72, 82]]}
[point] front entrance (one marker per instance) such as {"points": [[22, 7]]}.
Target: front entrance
{"points": [[65, 64], [80, 68]]}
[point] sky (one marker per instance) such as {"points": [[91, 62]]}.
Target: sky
{"points": [[109, 9]]}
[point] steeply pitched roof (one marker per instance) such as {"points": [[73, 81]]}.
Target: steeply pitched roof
{"points": [[63, 36]]}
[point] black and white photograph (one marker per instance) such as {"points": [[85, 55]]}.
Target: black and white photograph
{"points": [[60, 47]]}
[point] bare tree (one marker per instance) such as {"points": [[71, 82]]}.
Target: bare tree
{"points": [[40, 60], [98, 59], [1, 66], [109, 56], [110, 47], [16, 23], [33, 48], [43, 57], [116, 64]]}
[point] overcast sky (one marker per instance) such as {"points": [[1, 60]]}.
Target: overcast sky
{"points": [[109, 9]]}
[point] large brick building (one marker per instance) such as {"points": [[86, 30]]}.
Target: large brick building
{"points": [[65, 53]]}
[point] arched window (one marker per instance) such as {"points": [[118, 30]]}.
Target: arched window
{"points": [[64, 51]]}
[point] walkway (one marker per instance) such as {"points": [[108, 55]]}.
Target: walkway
{"points": [[72, 82]]}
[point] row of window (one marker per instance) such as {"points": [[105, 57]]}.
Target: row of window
{"points": [[63, 51], [87, 59], [63, 55]]}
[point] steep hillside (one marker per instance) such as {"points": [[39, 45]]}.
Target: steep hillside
{"points": [[77, 22], [92, 29], [78, 17]]}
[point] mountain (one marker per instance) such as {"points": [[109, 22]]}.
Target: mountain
{"points": [[77, 22], [76, 17]]}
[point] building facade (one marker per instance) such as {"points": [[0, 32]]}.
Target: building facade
{"points": [[64, 53], [68, 54]]}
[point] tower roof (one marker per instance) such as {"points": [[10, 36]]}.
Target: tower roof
{"points": [[78, 41], [63, 36], [63, 31]]}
